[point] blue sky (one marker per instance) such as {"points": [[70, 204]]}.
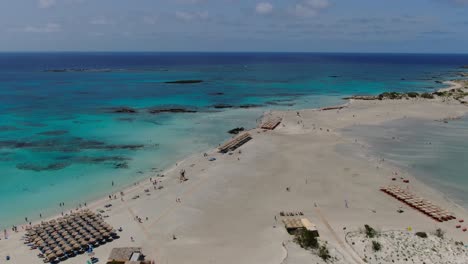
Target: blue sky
{"points": [[235, 25]]}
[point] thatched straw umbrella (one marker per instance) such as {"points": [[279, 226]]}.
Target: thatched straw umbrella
{"points": [[51, 256], [83, 242], [76, 245], [40, 243], [59, 253], [68, 249]]}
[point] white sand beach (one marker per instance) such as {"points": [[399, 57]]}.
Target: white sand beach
{"points": [[229, 208]]}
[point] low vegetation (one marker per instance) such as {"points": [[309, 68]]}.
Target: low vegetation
{"points": [[421, 234], [390, 95], [439, 233], [376, 246], [306, 239], [412, 94], [427, 96], [323, 253], [370, 232]]}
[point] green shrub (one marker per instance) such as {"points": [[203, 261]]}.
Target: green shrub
{"points": [[376, 246], [427, 96], [306, 239], [370, 232], [421, 234], [324, 253]]}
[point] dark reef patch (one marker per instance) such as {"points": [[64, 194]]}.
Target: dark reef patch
{"points": [[126, 119], [8, 128], [170, 110], [222, 106], [38, 168], [249, 106], [124, 110], [184, 81], [216, 93], [53, 133], [74, 144]]}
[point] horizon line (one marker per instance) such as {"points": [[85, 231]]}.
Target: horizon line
{"points": [[240, 52]]}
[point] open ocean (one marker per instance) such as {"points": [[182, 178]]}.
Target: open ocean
{"points": [[60, 140]]}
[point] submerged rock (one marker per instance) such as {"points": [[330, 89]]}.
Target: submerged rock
{"points": [[170, 110], [217, 93], [236, 130], [184, 81]]}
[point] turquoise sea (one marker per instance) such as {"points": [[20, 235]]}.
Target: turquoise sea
{"points": [[61, 139]]}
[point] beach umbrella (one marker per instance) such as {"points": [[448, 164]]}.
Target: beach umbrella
{"points": [[83, 243], [68, 249], [59, 253], [51, 256], [76, 246]]}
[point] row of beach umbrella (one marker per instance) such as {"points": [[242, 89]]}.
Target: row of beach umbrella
{"points": [[73, 233]]}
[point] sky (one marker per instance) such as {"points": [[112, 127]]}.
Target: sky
{"points": [[422, 26]]}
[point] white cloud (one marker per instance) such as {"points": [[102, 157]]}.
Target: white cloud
{"points": [[48, 28], [150, 20], [101, 21], [317, 4], [46, 3], [264, 8], [309, 8], [191, 16]]}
